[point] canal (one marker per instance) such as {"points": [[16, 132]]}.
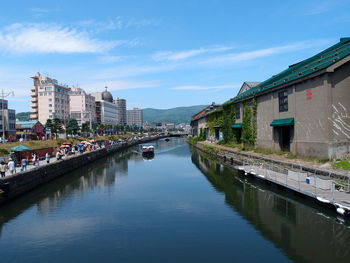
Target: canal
{"points": [[180, 206]]}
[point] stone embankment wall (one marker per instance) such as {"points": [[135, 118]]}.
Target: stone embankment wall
{"points": [[233, 157], [20, 183]]}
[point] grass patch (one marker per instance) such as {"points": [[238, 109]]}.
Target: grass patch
{"points": [[343, 164], [210, 149], [194, 140]]}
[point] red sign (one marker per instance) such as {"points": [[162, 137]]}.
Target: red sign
{"points": [[309, 94]]}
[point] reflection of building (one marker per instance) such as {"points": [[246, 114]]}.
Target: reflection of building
{"points": [[49, 99], [106, 110], [82, 106], [121, 109], [9, 120], [281, 219], [29, 130], [134, 117]]}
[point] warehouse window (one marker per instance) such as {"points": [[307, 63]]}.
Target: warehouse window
{"points": [[283, 100], [238, 111]]}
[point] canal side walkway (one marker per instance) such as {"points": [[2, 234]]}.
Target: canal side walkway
{"points": [[324, 186], [17, 184]]}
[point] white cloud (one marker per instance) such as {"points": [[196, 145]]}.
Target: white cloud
{"points": [[111, 59], [117, 23], [174, 56], [50, 38], [205, 87], [114, 85], [251, 55]]}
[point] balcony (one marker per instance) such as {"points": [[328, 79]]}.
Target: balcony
{"points": [[34, 105], [34, 116], [33, 94], [34, 100]]}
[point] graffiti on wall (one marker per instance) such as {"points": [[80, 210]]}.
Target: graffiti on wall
{"points": [[340, 120]]}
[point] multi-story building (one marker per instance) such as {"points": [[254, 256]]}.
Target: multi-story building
{"points": [[106, 110], [121, 108], [134, 117], [7, 120], [82, 106], [49, 99]]}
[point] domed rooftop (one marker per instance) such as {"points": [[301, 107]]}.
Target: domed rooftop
{"points": [[107, 96]]}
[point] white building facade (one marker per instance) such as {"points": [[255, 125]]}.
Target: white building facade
{"points": [[49, 99], [134, 117], [106, 110], [121, 108], [82, 106]]}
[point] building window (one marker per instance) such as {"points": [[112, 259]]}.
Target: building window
{"points": [[50, 105], [238, 111], [50, 100], [283, 100]]}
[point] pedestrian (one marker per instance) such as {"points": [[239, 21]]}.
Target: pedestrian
{"points": [[11, 166], [3, 168], [58, 155], [47, 157], [24, 164]]}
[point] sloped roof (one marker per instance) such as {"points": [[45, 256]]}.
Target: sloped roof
{"points": [[26, 124], [302, 69], [247, 85]]}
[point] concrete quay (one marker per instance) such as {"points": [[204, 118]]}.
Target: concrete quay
{"points": [[15, 185], [306, 181]]}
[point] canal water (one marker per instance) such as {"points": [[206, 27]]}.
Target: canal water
{"points": [[180, 206]]}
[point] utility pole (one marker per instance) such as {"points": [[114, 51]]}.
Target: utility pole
{"points": [[3, 96]]}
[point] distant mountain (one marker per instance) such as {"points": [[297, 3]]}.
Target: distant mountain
{"points": [[174, 115], [23, 116]]}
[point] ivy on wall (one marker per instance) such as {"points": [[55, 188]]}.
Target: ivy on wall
{"points": [[215, 118], [249, 129], [226, 117], [229, 115]]}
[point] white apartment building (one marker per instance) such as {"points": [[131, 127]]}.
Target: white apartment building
{"points": [[121, 108], [106, 110], [134, 117], [49, 99], [82, 106]]}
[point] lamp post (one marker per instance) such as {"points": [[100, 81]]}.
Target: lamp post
{"points": [[3, 96]]}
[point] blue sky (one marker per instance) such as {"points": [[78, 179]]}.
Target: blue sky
{"points": [[161, 54]]}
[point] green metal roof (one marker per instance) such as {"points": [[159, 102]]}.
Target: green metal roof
{"points": [[282, 122], [236, 125], [302, 69], [26, 124]]}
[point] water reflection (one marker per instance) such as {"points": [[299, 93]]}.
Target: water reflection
{"points": [[102, 174], [303, 232]]}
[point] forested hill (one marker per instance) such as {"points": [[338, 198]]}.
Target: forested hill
{"points": [[174, 115]]}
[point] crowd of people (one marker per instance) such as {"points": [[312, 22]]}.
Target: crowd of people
{"points": [[12, 167]]}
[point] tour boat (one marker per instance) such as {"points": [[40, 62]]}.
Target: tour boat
{"points": [[147, 149]]}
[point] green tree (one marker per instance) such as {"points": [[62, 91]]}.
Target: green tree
{"points": [[56, 126], [85, 127], [72, 126]]}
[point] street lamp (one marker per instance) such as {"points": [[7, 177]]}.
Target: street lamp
{"points": [[3, 96]]}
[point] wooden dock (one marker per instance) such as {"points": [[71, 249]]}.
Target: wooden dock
{"points": [[322, 188]]}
